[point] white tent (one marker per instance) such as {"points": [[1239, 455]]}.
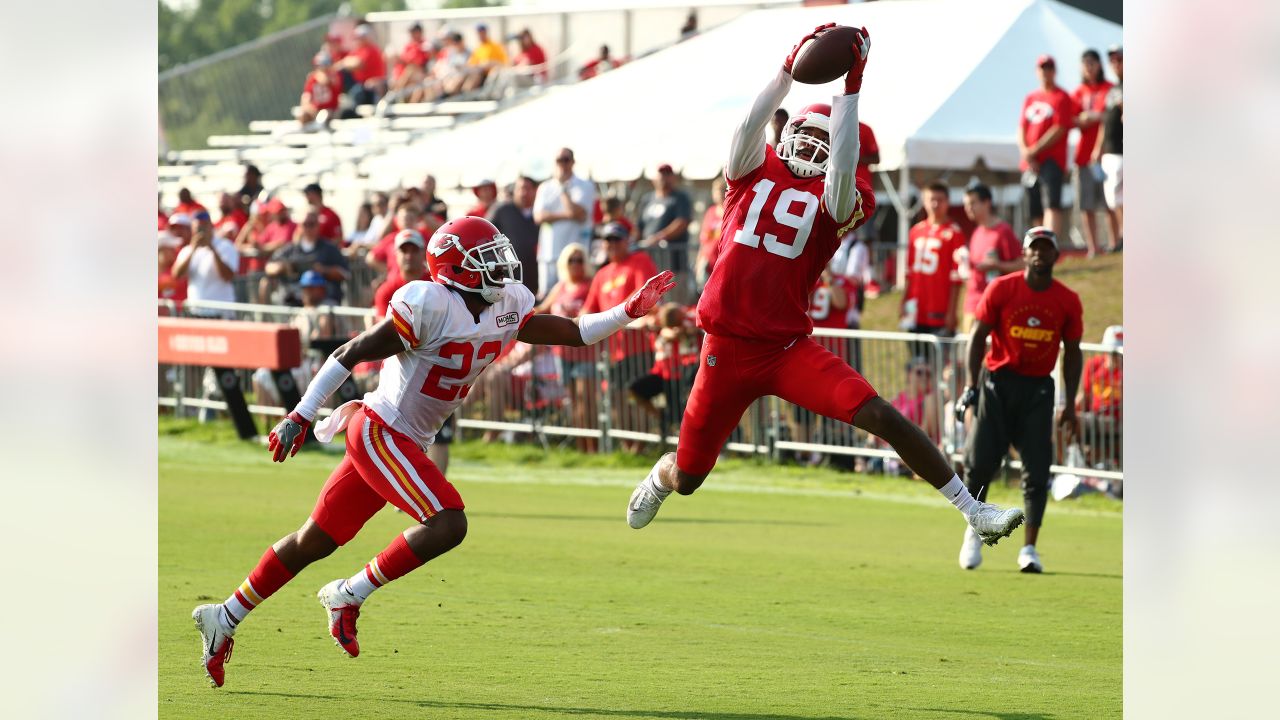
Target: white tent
{"points": [[943, 88]]}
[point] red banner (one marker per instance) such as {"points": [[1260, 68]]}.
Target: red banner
{"points": [[231, 344]]}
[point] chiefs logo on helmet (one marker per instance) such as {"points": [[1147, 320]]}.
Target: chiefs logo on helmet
{"points": [[470, 254]]}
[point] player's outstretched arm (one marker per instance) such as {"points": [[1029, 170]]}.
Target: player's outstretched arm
{"points": [[593, 327], [377, 343], [840, 193]]}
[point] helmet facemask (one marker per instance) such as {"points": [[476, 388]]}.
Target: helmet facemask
{"points": [[493, 264], [805, 154]]}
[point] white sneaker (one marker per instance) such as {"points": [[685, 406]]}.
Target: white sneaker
{"points": [[991, 522], [1029, 559], [341, 610], [215, 641], [644, 504], [970, 550]]}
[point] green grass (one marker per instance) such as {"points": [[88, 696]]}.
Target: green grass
{"points": [[835, 596]]}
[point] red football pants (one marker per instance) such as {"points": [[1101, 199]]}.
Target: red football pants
{"points": [[734, 373], [381, 466]]}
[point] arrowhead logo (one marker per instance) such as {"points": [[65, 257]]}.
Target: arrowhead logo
{"points": [[1033, 322], [711, 361]]}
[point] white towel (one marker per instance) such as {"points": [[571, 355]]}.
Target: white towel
{"points": [[328, 427]]}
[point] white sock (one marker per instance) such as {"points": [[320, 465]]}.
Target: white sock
{"points": [[360, 585], [656, 485], [958, 494]]}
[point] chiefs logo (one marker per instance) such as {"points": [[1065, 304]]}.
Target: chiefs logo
{"points": [[1038, 111]]}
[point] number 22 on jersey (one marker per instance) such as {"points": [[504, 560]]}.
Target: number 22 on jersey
{"points": [[801, 223], [434, 386]]}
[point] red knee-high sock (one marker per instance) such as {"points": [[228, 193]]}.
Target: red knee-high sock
{"points": [[396, 561], [269, 576]]}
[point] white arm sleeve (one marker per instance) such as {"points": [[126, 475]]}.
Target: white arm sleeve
{"points": [[840, 192], [747, 151], [598, 326], [326, 382]]}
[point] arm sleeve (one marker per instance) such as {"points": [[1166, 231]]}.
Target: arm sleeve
{"points": [[747, 151], [840, 192]]}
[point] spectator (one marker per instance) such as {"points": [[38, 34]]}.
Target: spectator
{"points": [[709, 233], [411, 258], [383, 255], [437, 213], [330, 225], [252, 187], [337, 51], [1047, 116], [661, 391], [560, 207], [172, 287], [776, 126], [578, 364], [488, 56], [449, 70], [1101, 400], [603, 63], [232, 214], [531, 56], [187, 204], [279, 230], [180, 227], [1109, 150], [315, 322], [252, 258], [209, 263], [918, 401], [358, 240], [367, 67], [381, 216], [162, 216], [486, 193], [868, 152], [1090, 98], [993, 249], [931, 300], [664, 221], [514, 218], [311, 251], [410, 69], [320, 92], [690, 27]]}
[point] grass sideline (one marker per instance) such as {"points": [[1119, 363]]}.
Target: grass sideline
{"points": [[737, 604]]}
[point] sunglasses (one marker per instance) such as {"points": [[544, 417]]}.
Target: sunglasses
{"points": [[564, 160], [576, 261]]}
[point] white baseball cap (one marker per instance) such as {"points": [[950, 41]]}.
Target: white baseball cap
{"points": [[1039, 232], [1113, 337]]}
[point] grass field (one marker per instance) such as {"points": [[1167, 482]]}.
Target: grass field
{"points": [[774, 593]]}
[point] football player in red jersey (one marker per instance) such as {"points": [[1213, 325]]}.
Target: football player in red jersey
{"points": [[784, 215]]}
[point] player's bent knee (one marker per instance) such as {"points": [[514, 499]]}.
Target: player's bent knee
{"points": [[314, 542], [877, 417]]}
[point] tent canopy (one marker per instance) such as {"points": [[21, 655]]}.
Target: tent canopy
{"points": [[943, 89]]}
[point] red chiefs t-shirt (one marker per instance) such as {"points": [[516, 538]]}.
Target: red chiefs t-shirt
{"points": [[932, 270], [373, 65], [330, 226], [1043, 111], [772, 256], [1028, 326], [323, 95], [611, 286], [1105, 387], [866, 145], [1089, 97], [986, 244]]}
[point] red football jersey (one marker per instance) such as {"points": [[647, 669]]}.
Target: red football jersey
{"points": [[1027, 326], [776, 238], [323, 96], [1089, 98], [1041, 112], [933, 270], [821, 309]]}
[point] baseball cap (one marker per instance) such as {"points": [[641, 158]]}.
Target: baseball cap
{"points": [[180, 219], [1039, 232], [484, 183], [411, 237], [416, 26], [1113, 337], [168, 240], [482, 26], [201, 215], [665, 168], [614, 230], [273, 206], [311, 187], [1044, 60], [311, 278], [1115, 50]]}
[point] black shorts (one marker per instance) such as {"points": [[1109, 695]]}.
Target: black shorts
{"points": [[1047, 192]]}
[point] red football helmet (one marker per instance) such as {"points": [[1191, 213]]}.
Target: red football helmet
{"points": [[816, 116], [470, 254]]}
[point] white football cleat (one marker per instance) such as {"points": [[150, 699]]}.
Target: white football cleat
{"points": [[991, 522], [644, 504], [341, 609], [1029, 559], [215, 641], [970, 550]]}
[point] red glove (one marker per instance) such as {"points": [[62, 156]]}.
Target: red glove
{"points": [[644, 299], [288, 436], [786, 64], [861, 47]]}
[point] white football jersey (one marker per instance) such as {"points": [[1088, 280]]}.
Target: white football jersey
{"points": [[445, 351]]}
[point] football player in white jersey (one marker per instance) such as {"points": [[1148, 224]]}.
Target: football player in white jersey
{"points": [[436, 339]]}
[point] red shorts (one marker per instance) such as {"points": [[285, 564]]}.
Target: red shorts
{"points": [[381, 466], [734, 373]]}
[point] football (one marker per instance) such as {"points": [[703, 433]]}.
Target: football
{"points": [[826, 57]]}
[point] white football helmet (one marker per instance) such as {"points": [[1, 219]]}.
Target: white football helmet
{"points": [[817, 116]]}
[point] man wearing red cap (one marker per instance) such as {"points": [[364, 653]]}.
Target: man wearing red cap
{"points": [[1047, 116]]}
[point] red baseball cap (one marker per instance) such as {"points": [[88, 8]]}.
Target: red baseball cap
{"points": [[1046, 60], [665, 168], [273, 205]]}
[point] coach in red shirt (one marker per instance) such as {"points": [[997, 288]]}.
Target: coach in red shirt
{"points": [[1027, 315], [1048, 114]]}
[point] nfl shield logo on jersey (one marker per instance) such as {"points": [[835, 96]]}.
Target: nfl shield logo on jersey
{"points": [[711, 361]]}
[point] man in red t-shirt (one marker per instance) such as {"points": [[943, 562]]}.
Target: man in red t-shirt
{"points": [[320, 91], [993, 249], [330, 225], [626, 271], [931, 300], [486, 193], [1028, 315], [411, 257], [784, 215], [411, 64], [531, 55], [367, 67], [1090, 99], [187, 204], [233, 215], [1048, 113]]}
